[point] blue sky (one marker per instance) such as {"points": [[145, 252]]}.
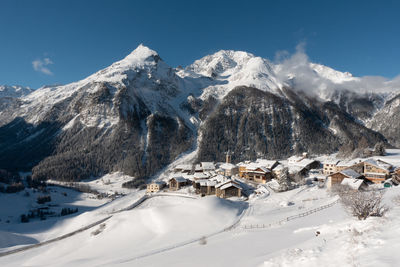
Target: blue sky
{"points": [[48, 42]]}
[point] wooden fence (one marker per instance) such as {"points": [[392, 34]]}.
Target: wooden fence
{"points": [[290, 218]]}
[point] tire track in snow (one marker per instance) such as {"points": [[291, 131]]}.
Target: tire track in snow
{"points": [[181, 244], [87, 227]]}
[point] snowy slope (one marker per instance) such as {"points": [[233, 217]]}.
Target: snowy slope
{"points": [[332, 75], [150, 227], [151, 235], [173, 229], [387, 118], [14, 91], [233, 68], [165, 88], [140, 100], [142, 68]]}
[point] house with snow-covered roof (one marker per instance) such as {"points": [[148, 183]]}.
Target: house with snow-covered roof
{"points": [[155, 186], [337, 178], [355, 164], [330, 166], [205, 187], [377, 171], [228, 169], [396, 176], [355, 184], [277, 171], [184, 168], [201, 176], [302, 166], [227, 189], [269, 164], [207, 166], [176, 183], [254, 172]]}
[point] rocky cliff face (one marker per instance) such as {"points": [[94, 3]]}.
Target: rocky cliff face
{"points": [[253, 123], [387, 120], [121, 118], [139, 114]]}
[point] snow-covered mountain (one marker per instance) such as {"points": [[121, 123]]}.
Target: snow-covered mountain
{"points": [[139, 114], [126, 116], [231, 69], [386, 120], [14, 91]]}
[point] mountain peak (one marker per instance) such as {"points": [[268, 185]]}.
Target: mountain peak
{"points": [[142, 54], [220, 62], [142, 58]]}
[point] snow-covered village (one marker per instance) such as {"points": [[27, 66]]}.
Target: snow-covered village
{"points": [[268, 211], [199, 133]]}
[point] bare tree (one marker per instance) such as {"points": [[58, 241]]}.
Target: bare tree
{"points": [[362, 204]]}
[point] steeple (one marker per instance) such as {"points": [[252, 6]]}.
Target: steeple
{"points": [[228, 157]]}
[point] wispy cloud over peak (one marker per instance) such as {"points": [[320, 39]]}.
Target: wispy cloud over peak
{"points": [[41, 65]]}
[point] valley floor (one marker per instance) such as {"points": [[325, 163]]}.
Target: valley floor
{"points": [[306, 226], [174, 230]]}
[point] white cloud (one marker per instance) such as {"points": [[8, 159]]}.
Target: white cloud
{"points": [[306, 79], [41, 65]]}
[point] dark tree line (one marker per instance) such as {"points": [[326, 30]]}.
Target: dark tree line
{"points": [[252, 123]]}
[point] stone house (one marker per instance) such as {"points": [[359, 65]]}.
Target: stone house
{"points": [[205, 187], [155, 186], [228, 189], [228, 169], [330, 167]]}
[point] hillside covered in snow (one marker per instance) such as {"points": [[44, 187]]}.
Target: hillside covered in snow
{"points": [[301, 227], [139, 114]]}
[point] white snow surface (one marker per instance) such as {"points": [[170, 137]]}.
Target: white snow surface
{"points": [[233, 68], [172, 229], [332, 75], [109, 184]]}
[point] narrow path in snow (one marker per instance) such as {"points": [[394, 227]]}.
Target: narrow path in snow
{"points": [[2, 254]]}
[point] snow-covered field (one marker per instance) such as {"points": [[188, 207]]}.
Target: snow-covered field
{"points": [[108, 184], [181, 230], [170, 230]]}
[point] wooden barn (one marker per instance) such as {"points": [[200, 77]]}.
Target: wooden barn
{"points": [[228, 189], [205, 187], [338, 177], [177, 183]]}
